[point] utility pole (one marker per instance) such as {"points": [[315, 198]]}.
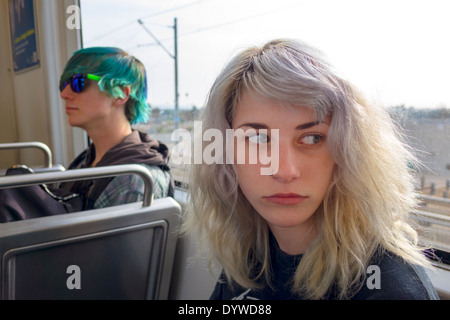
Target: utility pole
{"points": [[174, 57]]}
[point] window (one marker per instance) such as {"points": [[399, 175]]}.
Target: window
{"points": [[396, 51], [428, 132]]}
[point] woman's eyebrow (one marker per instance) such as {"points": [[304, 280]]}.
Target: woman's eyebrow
{"points": [[254, 125], [263, 126], [308, 125]]}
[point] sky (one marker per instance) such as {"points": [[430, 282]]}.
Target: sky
{"points": [[396, 51]]}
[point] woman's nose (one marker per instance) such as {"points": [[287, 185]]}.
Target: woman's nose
{"points": [[289, 164]]}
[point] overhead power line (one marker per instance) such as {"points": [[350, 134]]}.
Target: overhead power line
{"points": [[154, 38], [219, 25], [174, 56], [146, 17], [173, 9]]}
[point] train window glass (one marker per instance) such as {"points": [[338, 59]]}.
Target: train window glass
{"points": [[395, 51], [428, 131]]}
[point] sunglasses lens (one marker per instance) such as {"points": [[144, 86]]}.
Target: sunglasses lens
{"points": [[77, 83]]}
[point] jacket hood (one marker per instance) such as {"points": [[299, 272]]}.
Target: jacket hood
{"points": [[137, 148]]}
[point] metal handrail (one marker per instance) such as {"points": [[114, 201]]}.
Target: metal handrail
{"points": [[32, 144], [433, 199], [24, 180], [431, 217]]}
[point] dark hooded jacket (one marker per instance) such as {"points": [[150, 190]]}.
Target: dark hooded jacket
{"points": [[136, 148]]}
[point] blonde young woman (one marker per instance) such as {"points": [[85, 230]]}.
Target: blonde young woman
{"points": [[330, 222]]}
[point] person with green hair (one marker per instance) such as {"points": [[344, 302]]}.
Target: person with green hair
{"points": [[105, 93]]}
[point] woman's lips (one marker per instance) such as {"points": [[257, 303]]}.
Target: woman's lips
{"points": [[286, 198]]}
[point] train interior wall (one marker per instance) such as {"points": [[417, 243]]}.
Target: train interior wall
{"points": [[30, 106]]}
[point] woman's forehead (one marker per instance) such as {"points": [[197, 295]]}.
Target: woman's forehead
{"points": [[252, 104]]}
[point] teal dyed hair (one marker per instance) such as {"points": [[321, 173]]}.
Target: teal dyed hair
{"points": [[117, 69]]}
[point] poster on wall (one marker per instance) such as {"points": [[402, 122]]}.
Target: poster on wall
{"points": [[23, 35]]}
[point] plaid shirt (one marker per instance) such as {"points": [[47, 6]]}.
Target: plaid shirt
{"points": [[126, 189]]}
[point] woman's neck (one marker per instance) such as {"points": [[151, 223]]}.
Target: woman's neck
{"points": [[295, 240]]}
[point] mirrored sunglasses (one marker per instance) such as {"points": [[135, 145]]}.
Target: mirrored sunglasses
{"points": [[78, 82]]}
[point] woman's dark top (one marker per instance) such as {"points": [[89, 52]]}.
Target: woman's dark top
{"points": [[388, 278]]}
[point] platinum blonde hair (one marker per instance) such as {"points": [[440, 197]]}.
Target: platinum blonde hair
{"points": [[367, 205]]}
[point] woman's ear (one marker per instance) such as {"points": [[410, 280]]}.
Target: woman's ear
{"points": [[126, 95]]}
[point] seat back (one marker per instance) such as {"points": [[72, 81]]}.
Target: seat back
{"points": [[121, 252], [32, 144]]}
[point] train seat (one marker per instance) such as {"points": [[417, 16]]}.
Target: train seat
{"points": [[121, 252]]}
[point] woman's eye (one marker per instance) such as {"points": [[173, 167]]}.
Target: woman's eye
{"points": [[259, 138], [311, 139]]}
